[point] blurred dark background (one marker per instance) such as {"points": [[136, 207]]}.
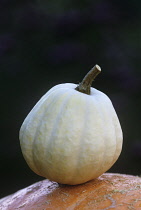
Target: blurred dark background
{"points": [[44, 43]]}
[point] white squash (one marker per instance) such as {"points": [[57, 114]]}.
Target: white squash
{"points": [[72, 135]]}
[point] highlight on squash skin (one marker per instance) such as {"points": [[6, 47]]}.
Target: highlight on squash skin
{"points": [[72, 137]]}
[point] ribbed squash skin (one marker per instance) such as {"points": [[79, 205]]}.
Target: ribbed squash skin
{"points": [[109, 191], [71, 137]]}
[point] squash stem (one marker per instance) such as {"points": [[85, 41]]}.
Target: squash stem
{"points": [[85, 85]]}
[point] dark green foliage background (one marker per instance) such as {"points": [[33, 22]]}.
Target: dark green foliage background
{"points": [[44, 43]]}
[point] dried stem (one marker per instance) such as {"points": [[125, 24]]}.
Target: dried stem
{"points": [[85, 85]]}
